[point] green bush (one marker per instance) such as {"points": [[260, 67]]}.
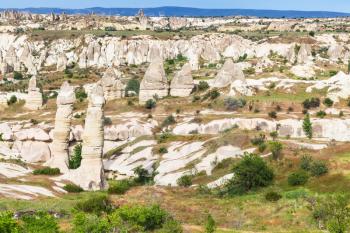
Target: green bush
{"points": [[318, 168], [272, 196], [143, 176], [72, 188], [169, 120], [251, 172], [147, 218], [39, 223], [12, 100], [95, 204], [321, 114], [119, 186], [17, 75], [150, 104], [75, 160], [311, 103], [163, 150], [80, 94], [83, 223], [272, 114], [306, 162], [298, 178], [233, 104], [8, 224], [170, 226], [328, 102], [307, 126], [210, 224], [47, 171], [185, 181], [133, 85], [202, 86], [276, 149]]}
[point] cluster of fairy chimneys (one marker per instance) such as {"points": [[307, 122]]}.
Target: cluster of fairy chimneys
{"points": [[90, 174]]}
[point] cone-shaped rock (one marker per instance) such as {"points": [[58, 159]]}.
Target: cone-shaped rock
{"points": [[154, 82], [228, 74], [112, 85], [59, 147], [182, 84], [34, 100]]}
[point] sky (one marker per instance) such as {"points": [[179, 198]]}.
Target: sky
{"points": [[313, 5]]}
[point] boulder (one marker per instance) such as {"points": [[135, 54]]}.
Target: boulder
{"points": [[182, 84], [34, 100], [33, 151]]}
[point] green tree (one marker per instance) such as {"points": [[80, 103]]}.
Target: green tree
{"points": [[210, 224], [276, 149], [307, 126], [40, 222], [251, 172], [8, 224], [75, 160]]}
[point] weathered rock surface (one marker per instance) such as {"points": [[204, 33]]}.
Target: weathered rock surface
{"points": [[182, 83], [112, 86], [154, 82], [229, 73], [34, 100], [61, 132]]}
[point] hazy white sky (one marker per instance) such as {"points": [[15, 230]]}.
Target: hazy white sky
{"points": [[324, 5]]}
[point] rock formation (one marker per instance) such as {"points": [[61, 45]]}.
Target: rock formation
{"points": [[90, 174], [182, 84], [62, 62], [154, 82], [228, 74], [304, 53], [3, 100], [34, 100], [113, 88], [59, 148]]}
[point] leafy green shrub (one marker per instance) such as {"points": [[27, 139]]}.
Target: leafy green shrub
{"points": [[251, 172], [276, 149], [12, 100], [150, 104], [169, 120], [318, 168], [258, 140], [272, 114], [210, 224], [164, 137], [95, 204], [163, 150], [8, 224], [306, 162], [328, 102], [17, 75], [133, 85], [72, 188], [185, 181], [298, 178], [214, 94], [47, 171], [307, 126], [272, 196], [170, 226], [233, 104], [143, 176], [91, 223], [80, 94], [39, 223], [202, 86], [321, 114], [75, 160], [148, 218], [311, 103], [119, 186]]}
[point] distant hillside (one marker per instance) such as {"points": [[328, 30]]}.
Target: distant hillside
{"points": [[194, 12]]}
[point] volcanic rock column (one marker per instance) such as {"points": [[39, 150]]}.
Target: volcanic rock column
{"points": [[90, 174], [59, 147], [34, 99]]}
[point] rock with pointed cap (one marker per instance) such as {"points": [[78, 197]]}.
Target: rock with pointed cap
{"points": [[34, 100], [112, 86], [60, 144], [182, 84], [228, 74], [154, 82], [90, 174]]}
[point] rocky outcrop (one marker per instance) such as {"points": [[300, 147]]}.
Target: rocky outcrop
{"points": [[229, 73], [62, 62], [182, 83], [154, 83], [90, 174], [304, 54], [59, 147], [34, 100], [112, 85]]}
